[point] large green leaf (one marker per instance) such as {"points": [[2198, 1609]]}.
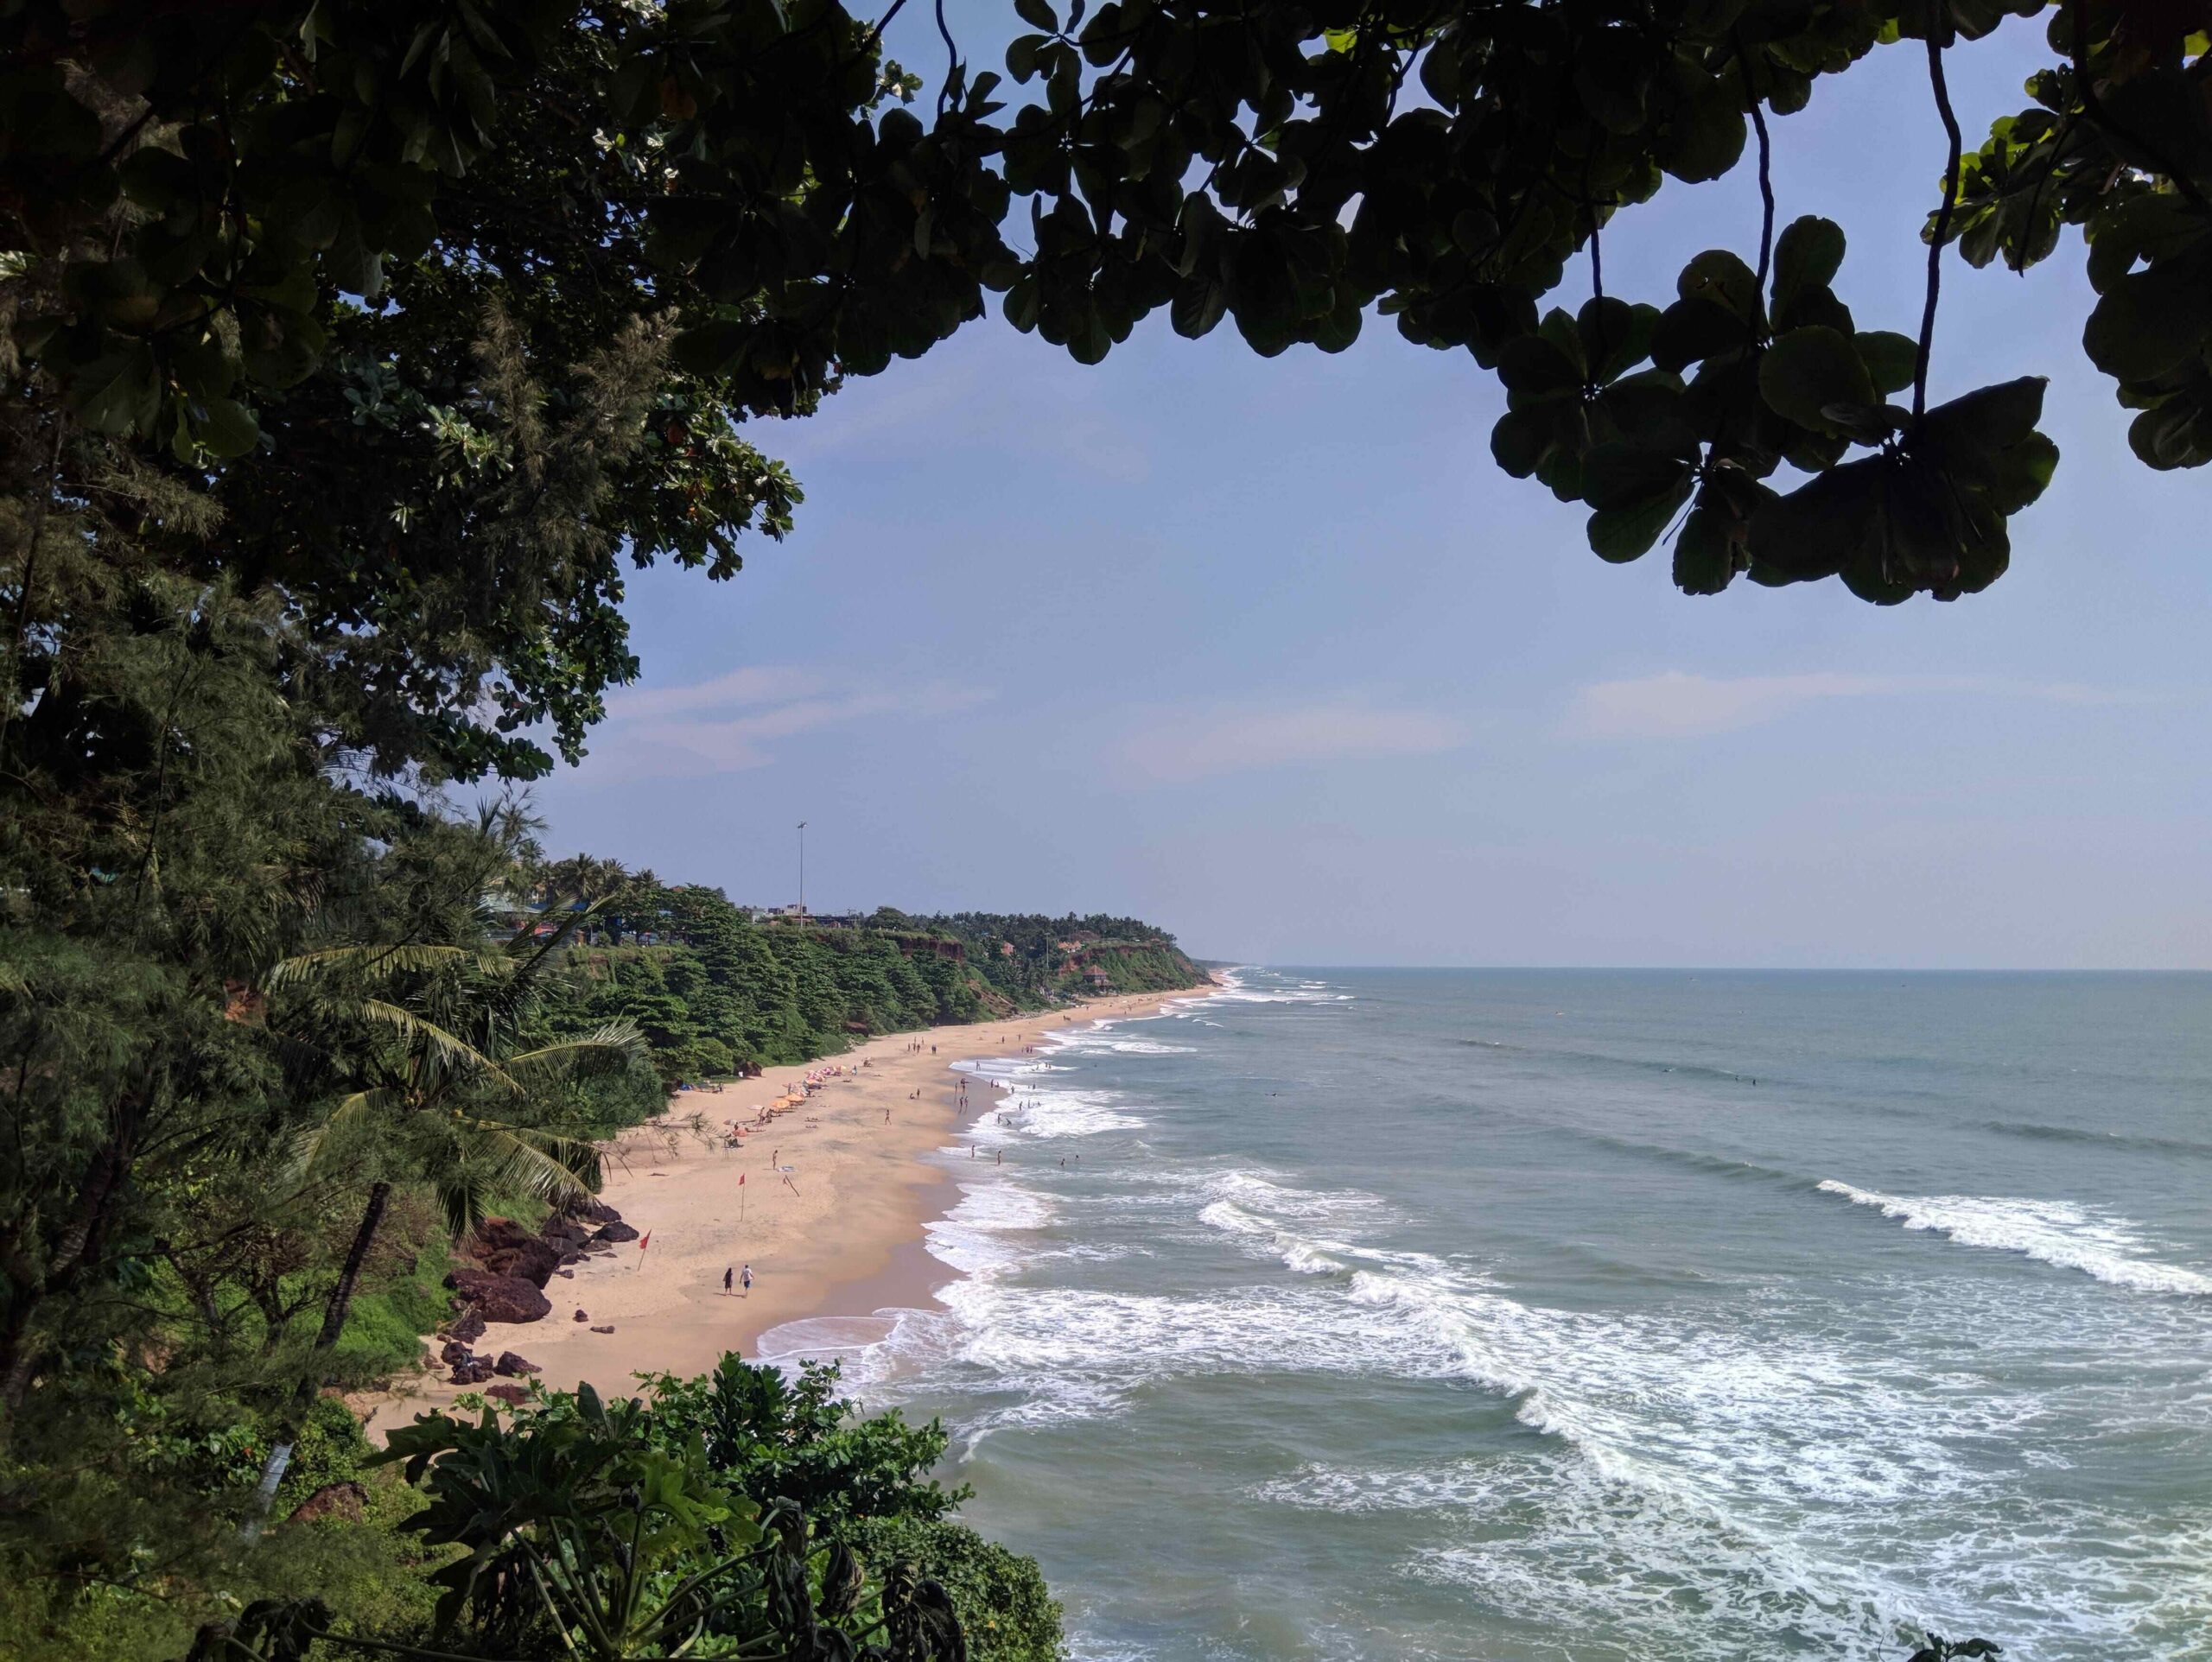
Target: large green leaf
{"points": [[2150, 322], [1619, 534], [1808, 370], [118, 391], [1806, 256]]}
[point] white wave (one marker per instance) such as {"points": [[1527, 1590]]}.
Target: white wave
{"points": [[1306, 1257], [2052, 1232], [1035, 1112], [1127, 1047], [1235, 988], [1252, 1189]]}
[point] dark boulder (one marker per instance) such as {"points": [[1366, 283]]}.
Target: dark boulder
{"points": [[500, 1297], [472, 1370], [514, 1366], [341, 1500], [604, 1329], [591, 1209], [580, 1316], [617, 1230], [564, 1232], [453, 1353], [566, 1275], [515, 1395], [466, 1329], [533, 1260], [492, 1235]]}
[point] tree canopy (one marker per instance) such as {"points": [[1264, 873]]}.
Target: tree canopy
{"points": [[446, 304]]}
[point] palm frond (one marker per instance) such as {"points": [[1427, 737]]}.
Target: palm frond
{"points": [[351, 1113], [392, 959], [517, 1160], [447, 1050], [614, 1045], [464, 1197]]}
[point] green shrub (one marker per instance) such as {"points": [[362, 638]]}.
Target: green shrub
{"points": [[385, 1325], [1005, 1607]]}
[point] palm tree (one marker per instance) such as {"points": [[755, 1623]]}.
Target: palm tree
{"points": [[424, 1034]]}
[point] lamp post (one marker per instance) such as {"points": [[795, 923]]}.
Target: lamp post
{"points": [[802, 870]]}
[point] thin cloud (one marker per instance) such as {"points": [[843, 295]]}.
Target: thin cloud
{"points": [[1176, 748], [730, 722], [1675, 705], [766, 683]]}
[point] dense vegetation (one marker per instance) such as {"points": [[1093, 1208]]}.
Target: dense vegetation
{"points": [[731, 1510]]}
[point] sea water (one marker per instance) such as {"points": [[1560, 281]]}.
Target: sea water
{"points": [[1593, 1317]]}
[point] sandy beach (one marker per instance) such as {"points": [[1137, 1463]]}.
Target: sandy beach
{"points": [[829, 1215]]}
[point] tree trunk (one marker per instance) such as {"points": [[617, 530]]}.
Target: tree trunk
{"points": [[334, 1323], [78, 1248], [341, 1296]]}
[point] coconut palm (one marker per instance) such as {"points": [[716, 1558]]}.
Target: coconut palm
{"points": [[425, 1037]]}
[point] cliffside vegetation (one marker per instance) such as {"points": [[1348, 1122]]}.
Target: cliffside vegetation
{"points": [[715, 992]]}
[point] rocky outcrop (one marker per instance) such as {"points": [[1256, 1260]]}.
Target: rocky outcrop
{"points": [[472, 1370], [500, 1297], [533, 1261], [514, 1366], [513, 1395], [513, 1264], [504, 1247]]}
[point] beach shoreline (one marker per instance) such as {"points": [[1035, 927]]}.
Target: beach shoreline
{"points": [[832, 1213]]}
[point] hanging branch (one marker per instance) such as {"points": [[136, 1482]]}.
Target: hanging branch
{"points": [[954, 67], [1938, 27], [1766, 160]]}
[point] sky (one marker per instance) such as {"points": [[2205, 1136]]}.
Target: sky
{"points": [[1270, 653]]}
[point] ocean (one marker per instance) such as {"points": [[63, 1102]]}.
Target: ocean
{"points": [[1592, 1316]]}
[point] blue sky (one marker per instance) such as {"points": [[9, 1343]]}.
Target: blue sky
{"points": [[1271, 653]]}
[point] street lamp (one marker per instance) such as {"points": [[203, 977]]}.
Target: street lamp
{"points": [[802, 868]]}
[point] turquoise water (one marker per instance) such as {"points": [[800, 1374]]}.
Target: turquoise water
{"points": [[1596, 1316]]}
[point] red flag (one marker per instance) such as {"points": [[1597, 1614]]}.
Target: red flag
{"points": [[741, 1180], [645, 1240]]}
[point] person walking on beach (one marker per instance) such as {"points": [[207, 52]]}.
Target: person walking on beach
{"points": [[745, 1280], [727, 1277]]}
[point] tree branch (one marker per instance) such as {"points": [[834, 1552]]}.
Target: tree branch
{"points": [[1938, 27]]}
